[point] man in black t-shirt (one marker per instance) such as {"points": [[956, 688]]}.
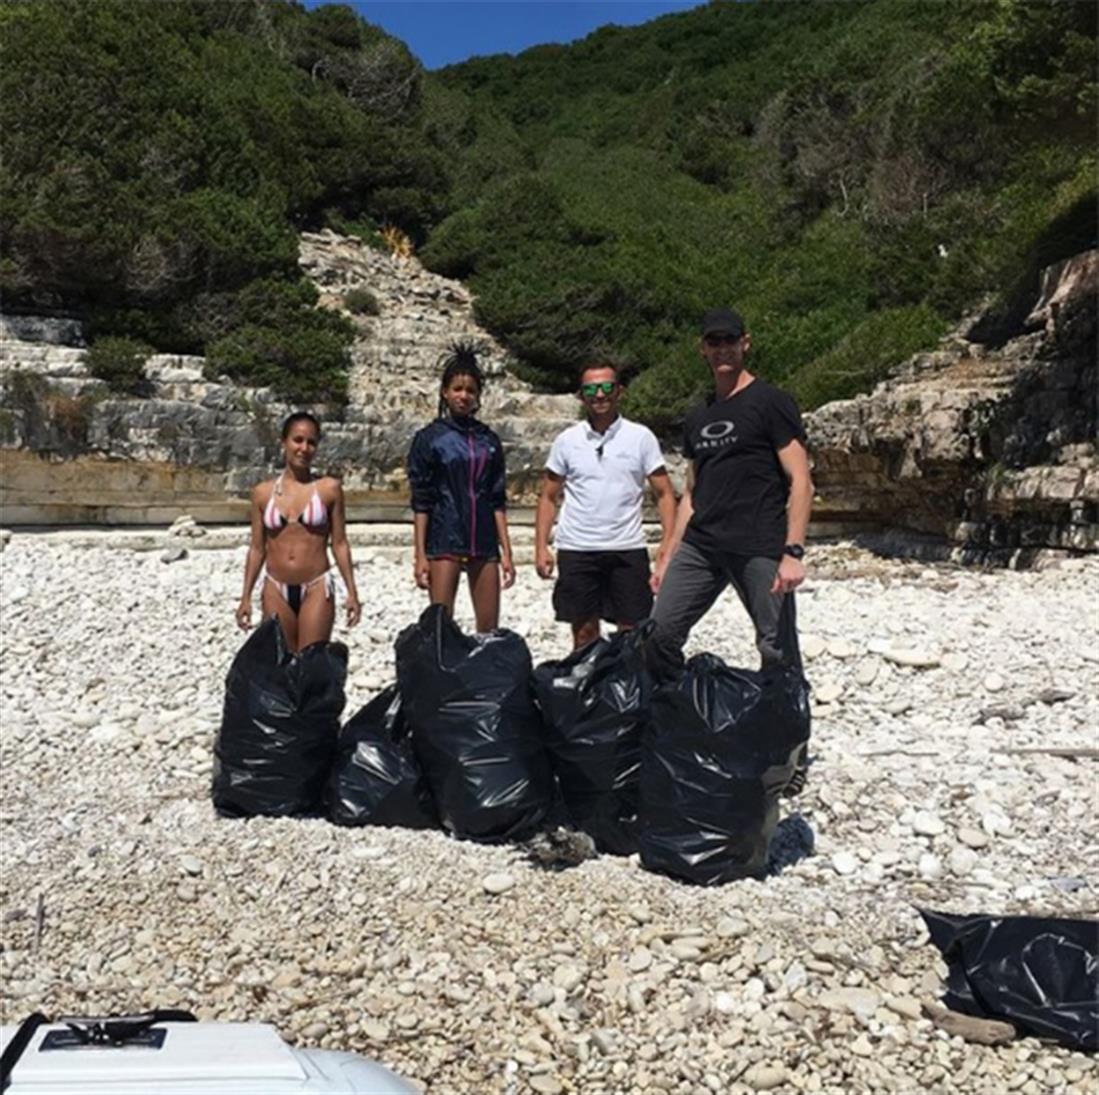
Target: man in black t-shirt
{"points": [[743, 517]]}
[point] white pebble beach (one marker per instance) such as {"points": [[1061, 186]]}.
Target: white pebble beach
{"points": [[469, 970]]}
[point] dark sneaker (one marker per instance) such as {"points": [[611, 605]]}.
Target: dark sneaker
{"points": [[796, 783]]}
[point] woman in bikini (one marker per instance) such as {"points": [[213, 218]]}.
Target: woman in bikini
{"points": [[293, 518], [456, 471]]}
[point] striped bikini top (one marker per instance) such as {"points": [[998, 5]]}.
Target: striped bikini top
{"points": [[315, 514]]}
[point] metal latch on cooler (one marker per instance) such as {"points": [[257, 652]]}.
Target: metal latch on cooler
{"points": [[112, 1031], [135, 1033]]}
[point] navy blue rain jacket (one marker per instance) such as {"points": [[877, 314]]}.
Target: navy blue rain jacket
{"points": [[456, 471]]}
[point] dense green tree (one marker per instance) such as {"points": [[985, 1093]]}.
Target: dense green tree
{"points": [[852, 176], [161, 155]]}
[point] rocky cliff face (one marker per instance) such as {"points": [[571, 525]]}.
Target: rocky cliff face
{"points": [[990, 449], [70, 451], [987, 451]]}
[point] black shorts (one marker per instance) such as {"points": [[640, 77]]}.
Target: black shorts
{"points": [[612, 585]]}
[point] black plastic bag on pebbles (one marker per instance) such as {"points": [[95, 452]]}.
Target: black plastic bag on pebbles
{"points": [[475, 729], [719, 747], [593, 705], [279, 726], [376, 779], [1039, 973]]}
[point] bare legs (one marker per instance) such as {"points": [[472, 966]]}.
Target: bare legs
{"points": [[484, 591], [584, 632], [272, 602], [443, 582], [311, 624], [587, 631], [484, 588], [316, 617]]}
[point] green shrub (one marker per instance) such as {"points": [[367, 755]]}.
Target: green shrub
{"points": [[302, 365], [866, 355], [849, 176], [361, 227], [361, 302], [160, 159], [120, 362], [661, 394], [164, 330], [815, 165], [271, 334]]}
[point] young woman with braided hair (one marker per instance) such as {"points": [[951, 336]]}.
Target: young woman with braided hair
{"points": [[458, 480]]}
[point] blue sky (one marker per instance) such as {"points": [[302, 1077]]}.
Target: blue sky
{"points": [[441, 32]]}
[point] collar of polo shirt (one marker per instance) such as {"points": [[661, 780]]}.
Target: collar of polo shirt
{"points": [[611, 430]]}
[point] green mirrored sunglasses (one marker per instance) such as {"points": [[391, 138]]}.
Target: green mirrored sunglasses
{"points": [[604, 386]]}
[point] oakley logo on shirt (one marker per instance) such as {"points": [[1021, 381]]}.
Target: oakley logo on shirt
{"points": [[716, 435]]}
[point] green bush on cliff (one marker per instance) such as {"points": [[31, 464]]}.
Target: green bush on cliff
{"points": [[851, 176], [120, 362], [159, 157], [300, 353], [361, 302], [863, 356]]}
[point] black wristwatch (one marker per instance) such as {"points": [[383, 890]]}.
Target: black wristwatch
{"points": [[795, 551]]}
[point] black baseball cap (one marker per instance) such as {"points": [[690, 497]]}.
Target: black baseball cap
{"points": [[722, 321]]}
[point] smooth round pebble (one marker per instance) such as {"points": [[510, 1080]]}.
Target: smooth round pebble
{"points": [[928, 824], [545, 1084], [866, 673], [731, 927], [962, 860], [498, 883], [841, 648], [973, 838], [541, 994], [765, 1077], [812, 646]]}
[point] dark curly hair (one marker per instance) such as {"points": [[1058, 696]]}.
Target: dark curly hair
{"points": [[460, 359]]}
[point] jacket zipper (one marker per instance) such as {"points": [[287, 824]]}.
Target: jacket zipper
{"points": [[472, 497]]}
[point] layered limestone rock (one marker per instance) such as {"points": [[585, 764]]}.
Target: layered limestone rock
{"points": [[988, 449], [72, 451]]}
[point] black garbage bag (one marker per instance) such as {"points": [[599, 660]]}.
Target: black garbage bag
{"points": [[475, 729], [719, 746], [593, 706], [1040, 974], [376, 779], [278, 727]]}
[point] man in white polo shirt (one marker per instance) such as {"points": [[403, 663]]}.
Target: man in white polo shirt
{"points": [[600, 466]]}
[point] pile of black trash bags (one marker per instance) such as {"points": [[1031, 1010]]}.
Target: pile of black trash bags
{"points": [[685, 768]]}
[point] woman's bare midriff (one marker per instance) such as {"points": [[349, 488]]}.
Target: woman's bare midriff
{"points": [[295, 555]]}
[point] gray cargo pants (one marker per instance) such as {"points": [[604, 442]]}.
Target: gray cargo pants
{"points": [[694, 580]]}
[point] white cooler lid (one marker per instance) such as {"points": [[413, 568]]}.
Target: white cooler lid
{"points": [[191, 1051]]}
